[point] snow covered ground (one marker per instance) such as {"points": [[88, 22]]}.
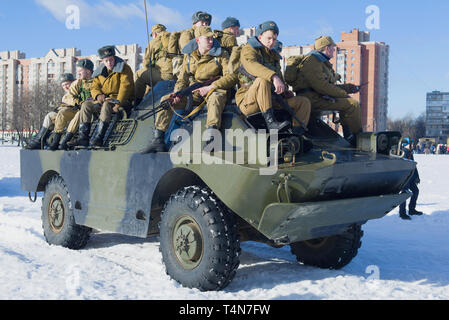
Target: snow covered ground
{"points": [[398, 259]]}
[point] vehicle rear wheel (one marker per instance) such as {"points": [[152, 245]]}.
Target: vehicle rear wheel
{"points": [[332, 252], [200, 245], [58, 221]]}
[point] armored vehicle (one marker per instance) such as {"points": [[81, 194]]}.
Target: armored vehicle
{"points": [[269, 188]]}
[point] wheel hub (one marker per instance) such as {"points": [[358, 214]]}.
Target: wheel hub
{"points": [[187, 243], [56, 213]]}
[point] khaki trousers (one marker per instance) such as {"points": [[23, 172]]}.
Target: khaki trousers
{"points": [[142, 82], [74, 124], [64, 116], [258, 99], [49, 120], [349, 109], [216, 103], [89, 108]]}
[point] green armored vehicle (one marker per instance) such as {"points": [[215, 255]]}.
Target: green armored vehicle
{"points": [[257, 187]]}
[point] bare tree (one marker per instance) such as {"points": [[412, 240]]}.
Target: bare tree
{"points": [[409, 126]]}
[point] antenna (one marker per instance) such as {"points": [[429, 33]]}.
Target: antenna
{"points": [[151, 64]]}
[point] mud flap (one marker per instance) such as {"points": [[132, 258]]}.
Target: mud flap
{"points": [[287, 223]]}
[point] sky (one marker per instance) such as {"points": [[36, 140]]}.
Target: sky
{"points": [[417, 32]]}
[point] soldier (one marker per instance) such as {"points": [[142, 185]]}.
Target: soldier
{"points": [[260, 60], [79, 92], [178, 40], [161, 65], [49, 120], [312, 76], [204, 60], [112, 80], [228, 37]]}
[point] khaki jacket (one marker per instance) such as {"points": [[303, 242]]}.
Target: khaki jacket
{"points": [[226, 40], [314, 72], [259, 62], [117, 83], [156, 51], [200, 68], [74, 96]]}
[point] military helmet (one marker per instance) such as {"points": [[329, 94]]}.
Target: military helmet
{"points": [[158, 28], [230, 22], [203, 31], [66, 77], [86, 64], [106, 51], [323, 41], [268, 25], [201, 16]]}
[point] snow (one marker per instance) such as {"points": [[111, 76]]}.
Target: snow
{"points": [[398, 259]]}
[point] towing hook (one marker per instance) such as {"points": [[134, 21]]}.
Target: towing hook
{"points": [[35, 197]]}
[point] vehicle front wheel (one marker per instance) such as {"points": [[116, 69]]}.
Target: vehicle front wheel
{"points": [[58, 221], [332, 252], [199, 240]]}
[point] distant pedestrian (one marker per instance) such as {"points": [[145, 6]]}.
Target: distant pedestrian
{"points": [[412, 186]]}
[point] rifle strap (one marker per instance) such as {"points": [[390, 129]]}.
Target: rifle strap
{"points": [[197, 109]]}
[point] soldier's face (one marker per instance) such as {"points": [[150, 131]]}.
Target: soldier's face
{"points": [[83, 73], [268, 39], [330, 51], [201, 24], [234, 30], [109, 62], [205, 43], [66, 85]]}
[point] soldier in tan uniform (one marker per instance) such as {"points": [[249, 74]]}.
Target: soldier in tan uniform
{"points": [[204, 60], [262, 62], [49, 120], [161, 64], [228, 37], [178, 40], [79, 92], [113, 79], [312, 76]]}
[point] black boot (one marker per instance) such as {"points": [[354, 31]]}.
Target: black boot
{"points": [[54, 138], [63, 143], [413, 212], [272, 124], [35, 141], [97, 137], [83, 136], [157, 145], [403, 215], [349, 136]]}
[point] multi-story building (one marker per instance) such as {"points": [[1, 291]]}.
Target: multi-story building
{"points": [[18, 74], [437, 116]]}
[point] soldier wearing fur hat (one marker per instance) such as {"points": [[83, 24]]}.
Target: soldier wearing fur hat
{"points": [[161, 64], [112, 80], [228, 36], [204, 59], [262, 62], [313, 77], [35, 142]]}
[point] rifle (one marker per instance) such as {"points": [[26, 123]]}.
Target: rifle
{"points": [[180, 94], [278, 97]]}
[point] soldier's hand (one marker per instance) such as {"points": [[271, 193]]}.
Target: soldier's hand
{"points": [[174, 98], [279, 86], [116, 108], [204, 90], [101, 98]]}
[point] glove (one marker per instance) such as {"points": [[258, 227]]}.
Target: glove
{"points": [[350, 88]]}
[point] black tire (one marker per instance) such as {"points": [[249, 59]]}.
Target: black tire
{"points": [[332, 252], [199, 238], [58, 221]]}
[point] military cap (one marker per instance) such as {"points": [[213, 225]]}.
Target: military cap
{"points": [[203, 31], [106, 51], [86, 64], [323, 41], [230, 22], [268, 25], [158, 28], [201, 16], [66, 77]]}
